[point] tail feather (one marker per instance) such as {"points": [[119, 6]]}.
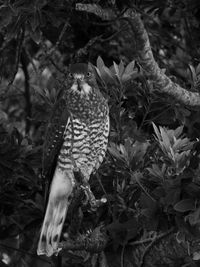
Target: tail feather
{"points": [[56, 211]]}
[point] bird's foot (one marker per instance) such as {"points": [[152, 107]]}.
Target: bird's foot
{"points": [[90, 198]]}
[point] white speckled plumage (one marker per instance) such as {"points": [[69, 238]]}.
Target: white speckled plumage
{"points": [[82, 137]]}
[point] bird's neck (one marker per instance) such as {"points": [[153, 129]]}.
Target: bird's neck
{"points": [[89, 108]]}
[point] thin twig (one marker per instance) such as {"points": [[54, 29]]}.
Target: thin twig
{"points": [[148, 106], [31, 61], [56, 66], [137, 179], [115, 33], [61, 35], [194, 50], [49, 53], [122, 256], [20, 40], [48, 56], [154, 240], [84, 50], [141, 242], [24, 62], [4, 45], [157, 116]]}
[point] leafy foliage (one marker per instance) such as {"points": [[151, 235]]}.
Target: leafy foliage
{"points": [[150, 176]]}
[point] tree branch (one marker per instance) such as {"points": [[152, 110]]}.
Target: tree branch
{"points": [[84, 50], [20, 39], [28, 108], [94, 243], [104, 14], [150, 246], [144, 54], [151, 68]]}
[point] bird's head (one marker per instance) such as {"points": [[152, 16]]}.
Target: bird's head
{"points": [[82, 79], [83, 97]]}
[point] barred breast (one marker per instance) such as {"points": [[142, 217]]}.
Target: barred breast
{"points": [[84, 145]]}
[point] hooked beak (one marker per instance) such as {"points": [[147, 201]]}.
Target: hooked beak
{"points": [[79, 83]]}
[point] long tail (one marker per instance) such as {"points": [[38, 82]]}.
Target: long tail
{"points": [[61, 189]]}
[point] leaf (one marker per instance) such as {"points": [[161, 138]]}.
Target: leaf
{"points": [[192, 72], [121, 68], [196, 256], [198, 69], [129, 71], [129, 68], [185, 205], [156, 171], [107, 75], [114, 151], [100, 63], [104, 72], [178, 131], [98, 71], [194, 217], [116, 68], [156, 131], [36, 35], [165, 138], [137, 177]]}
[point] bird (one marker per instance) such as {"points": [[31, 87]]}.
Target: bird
{"points": [[76, 139]]}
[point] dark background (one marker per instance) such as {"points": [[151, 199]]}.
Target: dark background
{"points": [[150, 175]]}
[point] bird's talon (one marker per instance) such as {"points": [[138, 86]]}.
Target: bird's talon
{"points": [[86, 200], [90, 198]]}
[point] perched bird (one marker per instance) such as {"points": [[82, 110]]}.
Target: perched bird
{"points": [[76, 139]]}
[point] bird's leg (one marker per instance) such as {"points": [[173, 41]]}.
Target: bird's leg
{"points": [[85, 186], [89, 196], [94, 203]]}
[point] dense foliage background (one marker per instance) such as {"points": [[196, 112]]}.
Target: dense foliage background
{"points": [[151, 174]]}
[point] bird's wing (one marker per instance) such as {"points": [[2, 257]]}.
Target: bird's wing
{"points": [[54, 137], [61, 186]]}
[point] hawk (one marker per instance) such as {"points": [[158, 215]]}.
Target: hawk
{"points": [[76, 139]]}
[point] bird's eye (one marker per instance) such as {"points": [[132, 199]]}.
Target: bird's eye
{"points": [[70, 75], [89, 74]]}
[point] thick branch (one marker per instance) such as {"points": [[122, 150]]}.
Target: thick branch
{"points": [[144, 54], [95, 243], [104, 14], [151, 68]]}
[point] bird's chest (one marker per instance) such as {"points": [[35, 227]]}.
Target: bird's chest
{"points": [[79, 133], [82, 145]]}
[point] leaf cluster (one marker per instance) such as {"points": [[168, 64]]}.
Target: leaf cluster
{"points": [[150, 176]]}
